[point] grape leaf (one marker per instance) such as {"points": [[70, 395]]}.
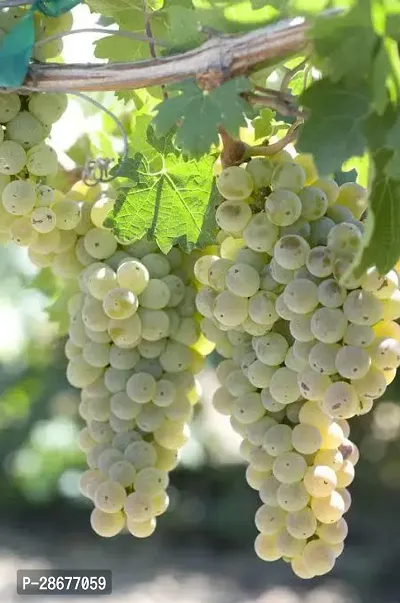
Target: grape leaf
{"points": [[346, 42], [334, 130], [200, 113], [379, 73], [172, 205], [393, 141], [263, 124], [383, 249]]}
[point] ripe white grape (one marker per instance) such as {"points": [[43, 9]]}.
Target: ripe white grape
{"points": [[49, 107], [301, 296], [247, 408], [115, 380], [306, 439], [333, 533], [266, 548], [322, 358], [328, 325], [157, 265], [284, 387], [328, 509], [313, 385], [19, 197], [230, 309], [261, 308], [259, 374], [260, 234], [340, 400], [301, 524], [292, 497], [269, 490], [318, 557], [362, 308], [107, 524], [155, 296], [10, 104], [255, 478], [242, 280], [233, 216], [352, 362], [110, 497], [314, 203], [344, 238], [271, 348], [283, 207], [269, 402], [133, 275], [319, 230], [21, 232], [141, 454], [385, 353], [281, 275], [289, 467], [138, 507], [320, 480], [125, 333], [235, 184], [107, 458], [256, 431], [345, 475], [25, 129], [331, 294], [270, 520], [217, 273], [320, 262], [291, 252], [289, 176], [299, 568], [41, 160], [124, 407], [282, 309], [175, 357], [141, 529], [12, 157], [278, 439], [80, 373], [120, 303], [141, 387], [100, 243], [261, 170], [151, 481], [354, 197], [300, 327]]}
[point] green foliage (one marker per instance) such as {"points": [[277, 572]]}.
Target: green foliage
{"points": [[172, 204], [200, 113]]}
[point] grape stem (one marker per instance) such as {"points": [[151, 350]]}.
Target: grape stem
{"points": [[218, 59], [235, 152]]}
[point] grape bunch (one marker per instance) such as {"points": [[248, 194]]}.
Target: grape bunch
{"points": [[308, 344], [134, 348]]}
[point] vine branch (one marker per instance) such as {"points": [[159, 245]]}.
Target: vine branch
{"points": [[216, 60]]}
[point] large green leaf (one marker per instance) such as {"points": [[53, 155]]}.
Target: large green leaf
{"points": [[199, 114], [174, 205], [334, 131], [383, 248]]}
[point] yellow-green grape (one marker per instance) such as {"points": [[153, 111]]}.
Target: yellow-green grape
{"points": [[328, 325], [278, 439], [233, 216], [372, 385], [120, 303], [301, 296], [328, 509], [19, 197], [12, 157], [138, 507], [41, 160], [230, 309], [341, 400], [21, 231], [322, 357], [353, 362], [25, 129], [271, 348], [247, 408], [266, 548], [270, 520], [261, 308], [141, 529], [107, 524], [314, 203], [289, 467], [283, 207], [283, 386], [306, 439], [320, 480], [329, 187], [385, 353], [354, 197], [362, 308], [49, 107], [291, 252], [155, 296], [292, 497], [301, 524], [260, 234], [125, 333], [261, 170], [235, 184], [10, 104], [289, 176], [133, 275], [43, 219], [318, 557], [344, 239], [202, 267], [320, 262], [331, 294], [100, 243], [242, 280]]}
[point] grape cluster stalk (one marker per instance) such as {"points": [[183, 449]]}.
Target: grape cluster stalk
{"points": [[307, 345]]}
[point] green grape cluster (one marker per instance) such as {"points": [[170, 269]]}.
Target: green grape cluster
{"points": [[134, 348], [307, 346]]}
